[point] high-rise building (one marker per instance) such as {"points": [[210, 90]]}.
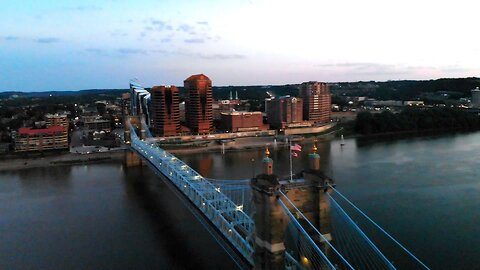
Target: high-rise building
{"points": [[284, 111], [198, 104], [165, 110], [476, 97], [317, 103]]}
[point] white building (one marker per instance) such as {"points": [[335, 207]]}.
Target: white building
{"points": [[476, 97]]}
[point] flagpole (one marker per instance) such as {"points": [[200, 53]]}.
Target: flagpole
{"points": [[291, 166]]}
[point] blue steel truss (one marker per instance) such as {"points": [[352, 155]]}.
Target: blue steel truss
{"points": [[228, 217]]}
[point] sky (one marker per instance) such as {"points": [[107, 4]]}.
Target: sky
{"points": [[50, 45]]}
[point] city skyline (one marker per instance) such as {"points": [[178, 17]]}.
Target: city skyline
{"points": [[59, 45]]}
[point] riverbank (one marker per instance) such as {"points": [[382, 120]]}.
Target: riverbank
{"points": [[60, 159], [408, 134], [242, 144]]}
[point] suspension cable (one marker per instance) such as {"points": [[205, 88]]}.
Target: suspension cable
{"points": [[360, 231], [297, 224], [380, 228], [316, 230]]}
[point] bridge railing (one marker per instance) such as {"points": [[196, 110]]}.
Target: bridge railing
{"points": [[223, 213]]}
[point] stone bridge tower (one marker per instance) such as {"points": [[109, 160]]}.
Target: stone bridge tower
{"points": [[306, 192], [131, 158]]}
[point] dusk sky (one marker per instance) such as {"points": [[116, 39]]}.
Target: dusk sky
{"points": [[69, 45]]}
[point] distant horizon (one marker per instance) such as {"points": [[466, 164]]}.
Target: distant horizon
{"points": [[239, 85], [69, 45]]}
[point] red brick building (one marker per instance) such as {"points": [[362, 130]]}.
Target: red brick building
{"points": [[198, 104], [284, 111], [40, 139], [242, 121], [317, 104], [165, 110]]}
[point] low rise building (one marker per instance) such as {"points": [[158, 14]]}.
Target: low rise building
{"points": [[414, 103], [242, 121], [57, 120], [41, 139], [96, 123], [383, 103]]}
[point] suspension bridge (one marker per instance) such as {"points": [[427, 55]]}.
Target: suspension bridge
{"points": [[268, 222]]}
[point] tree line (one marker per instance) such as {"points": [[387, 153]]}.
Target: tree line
{"points": [[416, 119]]}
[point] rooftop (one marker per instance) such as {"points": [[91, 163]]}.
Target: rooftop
{"points": [[240, 113], [197, 77], [36, 131]]}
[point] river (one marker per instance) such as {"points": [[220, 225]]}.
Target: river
{"points": [[424, 191]]}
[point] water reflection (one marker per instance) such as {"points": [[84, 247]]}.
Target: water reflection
{"points": [[178, 233], [106, 220], [408, 185], [239, 165], [38, 179]]}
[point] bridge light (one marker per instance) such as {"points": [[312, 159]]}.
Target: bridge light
{"points": [[151, 156], [217, 189], [229, 230], [239, 207], [305, 260], [203, 204]]}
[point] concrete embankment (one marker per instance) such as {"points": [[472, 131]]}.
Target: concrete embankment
{"points": [[60, 159]]}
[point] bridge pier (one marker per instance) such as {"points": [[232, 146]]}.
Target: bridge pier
{"points": [[132, 159], [270, 220]]}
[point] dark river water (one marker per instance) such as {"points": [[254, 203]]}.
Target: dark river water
{"points": [[424, 191]]}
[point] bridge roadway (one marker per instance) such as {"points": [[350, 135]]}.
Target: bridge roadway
{"points": [[228, 218]]}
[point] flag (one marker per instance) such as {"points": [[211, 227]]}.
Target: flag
{"points": [[296, 147], [294, 154]]}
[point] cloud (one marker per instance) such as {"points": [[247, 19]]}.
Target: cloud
{"points": [[215, 56], [362, 68], [221, 56], [118, 33], [366, 70], [161, 51], [84, 8], [159, 25], [47, 40], [194, 40], [10, 38], [186, 28], [197, 32], [127, 51], [116, 52], [95, 50]]}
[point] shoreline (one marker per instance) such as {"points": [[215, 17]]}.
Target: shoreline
{"points": [[408, 134], [242, 144], [11, 163], [63, 159]]}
